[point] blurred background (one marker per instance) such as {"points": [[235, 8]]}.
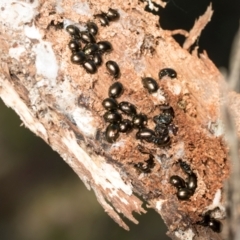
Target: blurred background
{"points": [[41, 198]]}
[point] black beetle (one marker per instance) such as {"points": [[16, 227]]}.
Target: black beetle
{"points": [[78, 57], [173, 129], [167, 72], [161, 130], [145, 134], [184, 193], [177, 181], [205, 220], [102, 17], [192, 182], [125, 125], [112, 14], [112, 132], [115, 90], [104, 46], [150, 84], [90, 48], [150, 161], [113, 68], [92, 28], [73, 31], [112, 116], [87, 37], [97, 59], [110, 104], [147, 166], [185, 167], [215, 225], [208, 221], [74, 45], [163, 118], [166, 109], [90, 66], [56, 26], [142, 168], [139, 120], [127, 108], [161, 141]]}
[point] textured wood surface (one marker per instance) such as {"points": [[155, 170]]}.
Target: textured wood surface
{"points": [[61, 103]]}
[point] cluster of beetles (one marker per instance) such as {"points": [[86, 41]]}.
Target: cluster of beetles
{"points": [[133, 120], [123, 117], [185, 189], [86, 51]]}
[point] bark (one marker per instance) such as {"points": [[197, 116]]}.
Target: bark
{"points": [[61, 103]]}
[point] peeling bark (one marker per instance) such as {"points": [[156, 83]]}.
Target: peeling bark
{"points": [[61, 103]]}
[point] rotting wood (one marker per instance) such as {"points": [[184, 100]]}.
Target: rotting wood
{"points": [[60, 103]]}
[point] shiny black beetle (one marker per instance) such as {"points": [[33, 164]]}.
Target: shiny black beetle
{"points": [[113, 68], [115, 90], [103, 19], [90, 66], [139, 120], [112, 116], [112, 132], [110, 104], [150, 84], [74, 45], [167, 72], [73, 31], [145, 134], [210, 222], [92, 28], [97, 59], [104, 46], [184, 193], [125, 126], [177, 181], [87, 37], [78, 57], [90, 48], [127, 108], [112, 14]]}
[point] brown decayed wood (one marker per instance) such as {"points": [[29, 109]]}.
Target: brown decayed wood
{"points": [[141, 49]]}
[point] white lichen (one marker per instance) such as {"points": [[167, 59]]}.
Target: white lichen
{"points": [[46, 62], [17, 13], [32, 32], [84, 119], [159, 97], [175, 87], [16, 52], [82, 8], [159, 204], [187, 234], [216, 128], [217, 208]]}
